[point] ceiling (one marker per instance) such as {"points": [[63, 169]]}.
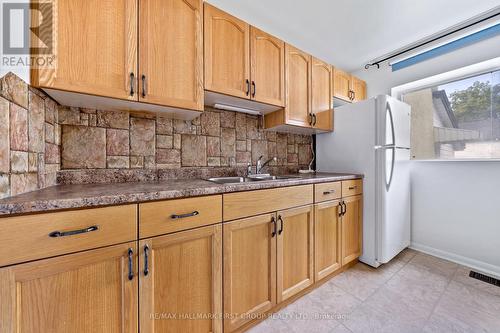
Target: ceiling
{"points": [[349, 33]]}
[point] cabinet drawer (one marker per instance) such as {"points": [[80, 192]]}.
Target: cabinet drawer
{"points": [[30, 237], [162, 217], [243, 204], [352, 187], [327, 191]]}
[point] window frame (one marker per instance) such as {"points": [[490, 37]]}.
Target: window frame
{"points": [[480, 68]]}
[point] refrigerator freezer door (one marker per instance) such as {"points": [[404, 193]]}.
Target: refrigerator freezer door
{"points": [[393, 122], [392, 202]]}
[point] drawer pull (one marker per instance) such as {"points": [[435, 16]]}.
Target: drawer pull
{"points": [[328, 192], [353, 187], [73, 232], [182, 216], [130, 268]]}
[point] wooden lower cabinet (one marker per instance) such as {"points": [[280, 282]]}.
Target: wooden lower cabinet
{"points": [[249, 269], [180, 284], [85, 292], [294, 251], [327, 238], [352, 228]]}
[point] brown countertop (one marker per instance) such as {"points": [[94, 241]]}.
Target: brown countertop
{"points": [[94, 195]]}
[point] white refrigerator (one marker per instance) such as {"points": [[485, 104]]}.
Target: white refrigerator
{"points": [[372, 137]]}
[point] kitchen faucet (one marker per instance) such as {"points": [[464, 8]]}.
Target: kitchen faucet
{"points": [[261, 165]]}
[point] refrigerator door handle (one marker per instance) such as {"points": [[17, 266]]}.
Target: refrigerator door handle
{"points": [[388, 180], [390, 147], [389, 114]]}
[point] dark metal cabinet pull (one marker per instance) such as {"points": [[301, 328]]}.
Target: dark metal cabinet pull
{"points": [[328, 192], [132, 84], [254, 89], [314, 119], [182, 216], [353, 95], [146, 258], [310, 118], [281, 225], [248, 87], [341, 209], [273, 221], [352, 187], [144, 87], [130, 265], [73, 232], [345, 208]]}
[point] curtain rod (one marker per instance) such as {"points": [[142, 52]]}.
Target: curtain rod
{"points": [[377, 63]]}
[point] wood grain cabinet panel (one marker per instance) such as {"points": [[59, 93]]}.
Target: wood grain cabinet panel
{"points": [[162, 217], [327, 191], [352, 187], [295, 251], [322, 94], [171, 53], [227, 53], [244, 204], [85, 292], [96, 48], [352, 229], [267, 56], [40, 236], [358, 87], [327, 238], [298, 87], [341, 84], [180, 283], [249, 269]]}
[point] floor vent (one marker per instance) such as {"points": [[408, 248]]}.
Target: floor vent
{"points": [[484, 278]]}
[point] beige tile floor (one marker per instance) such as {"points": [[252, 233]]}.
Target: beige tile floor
{"points": [[415, 292]]}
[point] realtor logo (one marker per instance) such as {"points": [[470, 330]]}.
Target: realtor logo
{"points": [[28, 34]]}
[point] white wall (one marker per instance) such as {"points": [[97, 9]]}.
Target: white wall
{"points": [[455, 205]]}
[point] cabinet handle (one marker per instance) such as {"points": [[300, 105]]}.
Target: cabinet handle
{"points": [[56, 233], [345, 208], [341, 209], [132, 84], [130, 266], [353, 95], [281, 225], [273, 221], [353, 187], [146, 257], [310, 119], [248, 87], [314, 119], [182, 216], [329, 192], [144, 86], [254, 89]]}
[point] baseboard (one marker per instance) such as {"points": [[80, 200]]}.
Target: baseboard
{"points": [[480, 266]]}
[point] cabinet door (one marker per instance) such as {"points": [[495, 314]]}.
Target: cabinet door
{"points": [[294, 251], [227, 53], [171, 53], [327, 238], [352, 229], [181, 281], [298, 86], [322, 94], [249, 269], [267, 55], [96, 48], [341, 84], [85, 292], [359, 89]]}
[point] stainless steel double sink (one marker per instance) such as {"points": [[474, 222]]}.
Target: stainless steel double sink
{"points": [[251, 178]]}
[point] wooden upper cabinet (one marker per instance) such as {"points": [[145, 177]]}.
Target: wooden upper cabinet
{"points": [[85, 292], [96, 48], [249, 269], [341, 84], [181, 278], [171, 53], [267, 54], [294, 251], [352, 229], [227, 54], [322, 94], [327, 238], [358, 87], [298, 86]]}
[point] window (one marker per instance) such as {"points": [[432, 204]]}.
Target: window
{"points": [[456, 119]]}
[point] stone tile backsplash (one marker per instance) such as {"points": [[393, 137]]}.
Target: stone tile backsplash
{"points": [[42, 142]]}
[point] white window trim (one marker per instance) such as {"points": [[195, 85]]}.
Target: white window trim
{"points": [[443, 78]]}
